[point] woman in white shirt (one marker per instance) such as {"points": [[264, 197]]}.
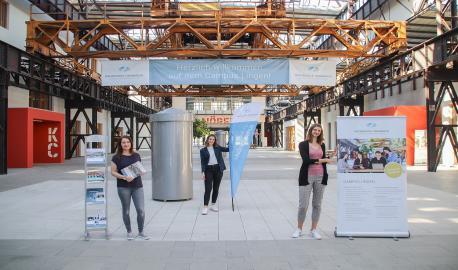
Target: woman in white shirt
{"points": [[212, 164]]}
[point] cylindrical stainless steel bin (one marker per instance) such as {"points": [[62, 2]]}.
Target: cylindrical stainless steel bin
{"points": [[221, 139], [171, 154]]}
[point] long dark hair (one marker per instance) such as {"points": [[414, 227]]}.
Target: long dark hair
{"points": [[119, 147], [309, 137], [214, 144]]}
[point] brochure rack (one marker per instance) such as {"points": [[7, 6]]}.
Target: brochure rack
{"points": [[95, 187]]}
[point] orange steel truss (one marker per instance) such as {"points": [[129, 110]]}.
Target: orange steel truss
{"points": [[213, 91], [216, 37], [185, 30]]}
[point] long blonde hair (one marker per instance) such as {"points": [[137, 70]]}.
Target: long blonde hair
{"points": [[309, 137]]}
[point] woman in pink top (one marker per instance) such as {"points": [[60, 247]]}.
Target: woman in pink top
{"points": [[313, 176]]}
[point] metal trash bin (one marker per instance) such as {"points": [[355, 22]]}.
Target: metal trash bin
{"points": [[221, 139], [171, 155]]}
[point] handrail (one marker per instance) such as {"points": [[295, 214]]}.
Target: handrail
{"points": [[439, 55], [351, 85], [32, 67], [65, 5]]}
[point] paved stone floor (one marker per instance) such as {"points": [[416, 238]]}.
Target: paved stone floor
{"points": [[42, 211]]}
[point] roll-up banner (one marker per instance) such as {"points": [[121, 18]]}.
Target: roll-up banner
{"points": [[218, 72], [371, 177]]}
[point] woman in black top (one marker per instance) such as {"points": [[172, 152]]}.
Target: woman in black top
{"points": [[212, 165], [129, 187]]}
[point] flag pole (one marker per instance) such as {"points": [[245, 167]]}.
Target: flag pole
{"points": [[232, 204]]}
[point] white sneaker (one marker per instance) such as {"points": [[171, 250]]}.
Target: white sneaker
{"points": [[296, 233], [315, 234], [130, 236], [204, 210], [143, 236], [214, 208]]}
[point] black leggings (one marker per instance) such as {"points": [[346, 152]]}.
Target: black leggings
{"points": [[213, 176]]}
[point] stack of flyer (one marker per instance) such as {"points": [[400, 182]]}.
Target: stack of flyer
{"points": [[96, 218], [95, 156], [95, 196], [134, 170], [95, 176]]}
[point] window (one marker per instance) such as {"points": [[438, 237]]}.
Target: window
{"points": [[219, 106], [236, 105], [39, 100], [198, 106], [3, 14]]}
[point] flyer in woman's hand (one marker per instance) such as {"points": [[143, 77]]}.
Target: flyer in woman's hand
{"points": [[134, 170]]}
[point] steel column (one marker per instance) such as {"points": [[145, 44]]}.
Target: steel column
{"points": [[4, 78], [70, 122], [431, 129], [453, 14], [116, 119], [355, 106], [274, 134], [142, 123], [438, 132], [280, 134], [311, 117]]}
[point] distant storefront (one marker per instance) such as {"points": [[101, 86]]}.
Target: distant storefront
{"points": [[215, 121]]}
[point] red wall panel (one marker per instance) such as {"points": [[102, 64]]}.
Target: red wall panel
{"points": [[19, 146], [29, 137], [416, 120]]}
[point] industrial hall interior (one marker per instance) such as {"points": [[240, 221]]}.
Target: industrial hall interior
{"points": [[228, 134]]}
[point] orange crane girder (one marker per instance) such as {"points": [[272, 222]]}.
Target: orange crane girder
{"points": [[212, 91], [217, 37]]}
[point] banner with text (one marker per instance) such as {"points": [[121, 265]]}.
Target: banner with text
{"points": [[371, 177], [218, 72], [242, 129], [321, 73], [125, 72]]}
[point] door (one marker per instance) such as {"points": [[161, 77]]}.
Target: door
{"points": [[290, 137], [76, 130]]}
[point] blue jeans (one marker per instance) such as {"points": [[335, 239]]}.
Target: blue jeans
{"points": [[125, 194]]}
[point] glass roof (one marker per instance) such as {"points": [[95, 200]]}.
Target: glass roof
{"points": [[333, 6]]}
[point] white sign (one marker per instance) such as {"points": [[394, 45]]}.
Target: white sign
{"points": [[312, 72], [371, 177], [125, 72]]}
